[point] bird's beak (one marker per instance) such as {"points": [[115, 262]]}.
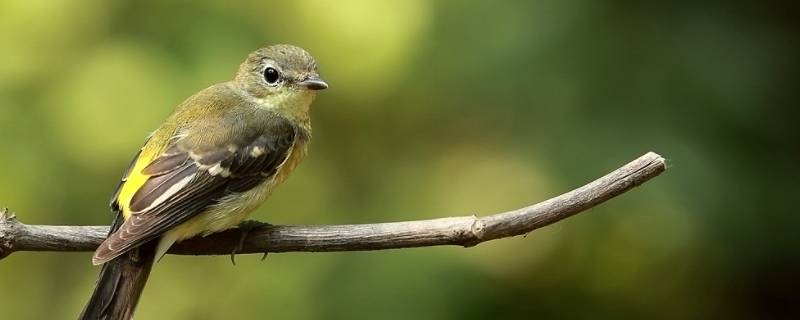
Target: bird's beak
{"points": [[314, 83]]}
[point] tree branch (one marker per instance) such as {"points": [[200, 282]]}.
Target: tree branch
{"points": [[464, 231]]}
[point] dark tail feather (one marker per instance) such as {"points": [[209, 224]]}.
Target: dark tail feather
{"points": [[120, 283]]}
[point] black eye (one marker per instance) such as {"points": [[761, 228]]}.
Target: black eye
{"points": [[271, 75]]}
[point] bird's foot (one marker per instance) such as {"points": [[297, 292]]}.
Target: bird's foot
{"points": [[245, 228]]}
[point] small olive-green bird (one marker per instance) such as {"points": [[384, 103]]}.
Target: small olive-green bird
{"points": [[213, 161]]}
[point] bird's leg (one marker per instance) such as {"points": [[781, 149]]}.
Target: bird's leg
{"points": [[245, 228]]}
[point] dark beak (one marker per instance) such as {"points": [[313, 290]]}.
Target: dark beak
{"points": [[314, 83]]}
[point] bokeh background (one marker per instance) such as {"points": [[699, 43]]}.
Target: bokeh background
{"points": [[436, 108]]}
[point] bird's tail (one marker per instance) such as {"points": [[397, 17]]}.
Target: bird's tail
{"points": [[120, 283]]}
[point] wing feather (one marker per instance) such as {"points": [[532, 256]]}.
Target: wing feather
{"points": [[186, 179]]}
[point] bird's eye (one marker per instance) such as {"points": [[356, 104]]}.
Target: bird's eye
{"points": [[271, 75]]}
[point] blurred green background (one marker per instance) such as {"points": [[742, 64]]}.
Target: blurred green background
{"points": [[436, 108]]}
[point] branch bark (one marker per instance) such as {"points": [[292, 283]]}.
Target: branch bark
{"points": [[259, 237]]}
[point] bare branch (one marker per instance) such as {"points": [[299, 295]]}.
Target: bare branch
{"points": [[464, 231]]}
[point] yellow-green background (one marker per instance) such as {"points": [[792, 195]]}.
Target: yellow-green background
{"points": [[435, 108]]}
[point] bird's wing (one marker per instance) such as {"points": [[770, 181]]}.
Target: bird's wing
{"points": [[188, 177]]}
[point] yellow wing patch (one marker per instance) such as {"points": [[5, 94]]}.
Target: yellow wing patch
{"points": [[133, 182]]}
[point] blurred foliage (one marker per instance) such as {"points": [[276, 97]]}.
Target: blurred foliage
{"points": [[435, 108]]}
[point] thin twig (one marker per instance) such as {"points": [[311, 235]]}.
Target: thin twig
{"points": [[259, 238]]}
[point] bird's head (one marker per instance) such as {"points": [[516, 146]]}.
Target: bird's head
{"points": [[280, 76]]}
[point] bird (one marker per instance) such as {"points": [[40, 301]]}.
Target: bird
{"points": [[213, 161]]}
